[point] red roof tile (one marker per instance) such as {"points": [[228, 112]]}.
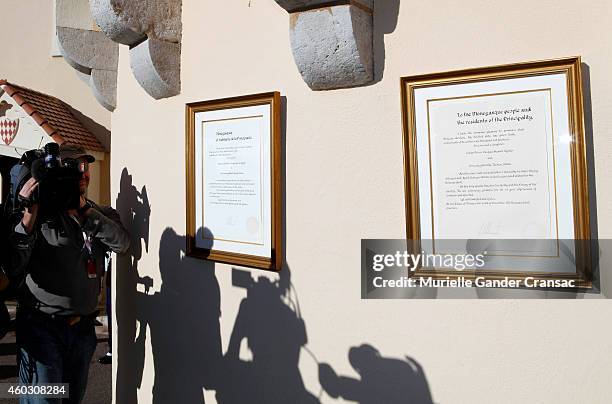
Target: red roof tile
{"points": [[54, 116]]}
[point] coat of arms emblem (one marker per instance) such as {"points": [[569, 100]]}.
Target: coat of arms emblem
{"points": [[8, 130]]}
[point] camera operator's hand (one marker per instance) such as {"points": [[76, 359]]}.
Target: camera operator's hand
{"points": [[83, 203], [81, 212], [30, 213]]}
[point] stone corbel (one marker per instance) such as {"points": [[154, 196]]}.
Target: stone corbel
{"points": [[332, 41], [152, 30], [87, 50]]}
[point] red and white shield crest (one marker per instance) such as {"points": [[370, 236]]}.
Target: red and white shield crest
{"points": [[8, 130]]}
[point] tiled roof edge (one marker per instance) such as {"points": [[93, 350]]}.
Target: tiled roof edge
{"points": [[14, 91], [69, 109], [38, 118]]}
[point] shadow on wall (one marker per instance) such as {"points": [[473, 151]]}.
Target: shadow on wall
{"points": [[601, 281], [134, 210], [182, 319], [182, 322], [381, 380], [385, 20], [270, 322]]}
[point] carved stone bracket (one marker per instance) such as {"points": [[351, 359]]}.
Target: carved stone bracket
{"points": [[87, 50], [152, 29], [332, 41]]}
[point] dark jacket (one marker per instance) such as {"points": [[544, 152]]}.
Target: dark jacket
{"points": [[54, 259]]}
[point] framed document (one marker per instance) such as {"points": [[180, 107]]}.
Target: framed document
{"points": [[234, 190], [495, 164]]}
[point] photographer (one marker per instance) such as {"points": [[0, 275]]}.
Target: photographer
{"points": [[60, 257]]}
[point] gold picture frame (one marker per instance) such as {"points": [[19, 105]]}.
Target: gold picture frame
{"points": [[416, 94], [267, 253]]}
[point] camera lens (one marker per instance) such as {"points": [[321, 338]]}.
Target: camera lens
{"points": [[52, 149], [52, 159]]}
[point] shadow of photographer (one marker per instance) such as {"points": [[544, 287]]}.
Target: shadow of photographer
{"points": [[270, 322], [381, 380], [181, 317], [183, 322], [134, 209]]}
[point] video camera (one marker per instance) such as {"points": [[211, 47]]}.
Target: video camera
{"points": [[58, 181]]}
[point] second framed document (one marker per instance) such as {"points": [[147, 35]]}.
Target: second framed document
{"points": [[495, 163], [234, 193]]}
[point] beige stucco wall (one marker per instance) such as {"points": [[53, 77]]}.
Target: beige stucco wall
{"points": [[344, 182], [26, 33]]}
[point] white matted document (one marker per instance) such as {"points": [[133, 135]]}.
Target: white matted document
{"points": [[495, 163], [234, 180]]}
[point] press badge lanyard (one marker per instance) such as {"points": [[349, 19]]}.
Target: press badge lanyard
{"points": [[91, 263]]}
